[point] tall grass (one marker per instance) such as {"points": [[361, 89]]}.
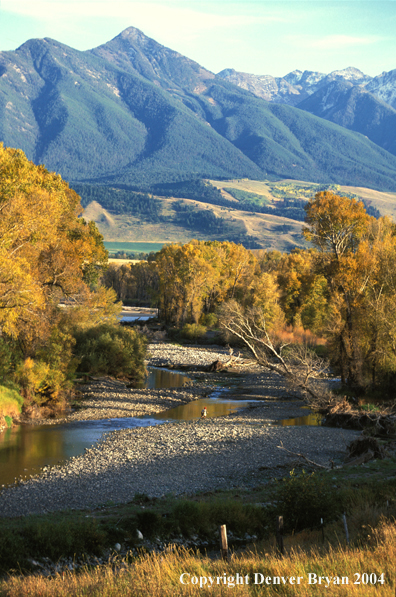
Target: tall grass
{"points": [[10, 402], [298, 335], [158, 575]]}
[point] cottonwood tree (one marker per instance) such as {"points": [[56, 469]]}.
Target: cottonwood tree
{"points": [[46, 251], [357, 256], [48, 254], [194, 278]]}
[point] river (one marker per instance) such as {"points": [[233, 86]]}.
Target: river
{"points": [[26, 449]]}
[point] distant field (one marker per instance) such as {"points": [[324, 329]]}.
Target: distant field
{"points": [[289, 188], [128, 232], [129, 247], [123, 261]]}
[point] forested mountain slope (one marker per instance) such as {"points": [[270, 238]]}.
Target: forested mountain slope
{"points": [[133, 112], [357, 109]]}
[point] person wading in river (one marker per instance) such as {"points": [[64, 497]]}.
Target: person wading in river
{"points": [[203, 413]]}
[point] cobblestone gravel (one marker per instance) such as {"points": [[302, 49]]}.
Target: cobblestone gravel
{"points": [[181, 457]]}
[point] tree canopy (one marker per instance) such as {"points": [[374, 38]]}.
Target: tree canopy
{"points": [[50, 263], [46, 251]]}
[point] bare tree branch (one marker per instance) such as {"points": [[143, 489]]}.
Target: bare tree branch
{"points": [[282, 447], [299, 367]]}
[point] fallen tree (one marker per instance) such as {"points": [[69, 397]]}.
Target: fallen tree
{"points": [[299, 365]]}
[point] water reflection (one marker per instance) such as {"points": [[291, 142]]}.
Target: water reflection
{"points": [[192, 410], [25, 449], [312, 419], [163, 378]]}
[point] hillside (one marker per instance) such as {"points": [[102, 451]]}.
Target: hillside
{"points": [[346, 97], [231, 214], [133, 113]]}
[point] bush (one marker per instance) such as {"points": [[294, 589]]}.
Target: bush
{"points": [[48, 375], [189, 517], [210, 320], [304, 499], [149, 523], [39, 381], [42, 538], [7, 357], [193, 332], [205, 518], [111, 350]]}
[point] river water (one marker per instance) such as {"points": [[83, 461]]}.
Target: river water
{"points": [[26, 449]]}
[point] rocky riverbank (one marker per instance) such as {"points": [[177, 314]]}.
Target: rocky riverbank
{"points": [[107, 398], [182, 457], [177, 458]]}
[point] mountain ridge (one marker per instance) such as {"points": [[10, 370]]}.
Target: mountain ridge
{"points": [[133, 112]]}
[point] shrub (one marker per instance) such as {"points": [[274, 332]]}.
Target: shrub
{"points": [[47, 376], [204, 518], [7, 357], [43, 538], [38, 380], [209, 320], [149, 523], [240, 518], [188, 516], [304, 499], [193, 332], [111, 350]]}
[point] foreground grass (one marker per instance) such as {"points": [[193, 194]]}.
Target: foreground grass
{"points": [[366, 494], [160, 575]]}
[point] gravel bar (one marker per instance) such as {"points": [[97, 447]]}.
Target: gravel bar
{"points": [[241, 449], [177, 458]]}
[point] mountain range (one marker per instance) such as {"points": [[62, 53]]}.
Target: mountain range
{"points": [[133, 113], [346, 97]]}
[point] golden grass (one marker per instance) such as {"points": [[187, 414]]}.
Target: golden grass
{"points": [[123, 261], [159, 575], [10, 402], [298, 335]]}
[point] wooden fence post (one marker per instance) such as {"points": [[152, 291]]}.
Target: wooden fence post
{"points": [[223, 542], [345, 528], [279, 533]]}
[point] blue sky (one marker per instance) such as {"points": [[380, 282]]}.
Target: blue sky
{"points": [[260, 37]]}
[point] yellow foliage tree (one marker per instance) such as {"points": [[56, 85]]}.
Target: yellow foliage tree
{"points": [[359, 263], [49, 256], [46, 251]]}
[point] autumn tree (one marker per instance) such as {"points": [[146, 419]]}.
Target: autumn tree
{"points": [[194, 278], [50, 261], [46, 251], [358, 259]]}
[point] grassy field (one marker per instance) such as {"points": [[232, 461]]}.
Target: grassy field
{"points": [[365, 493], [129, 247], [273, 191], [129, 233]]}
